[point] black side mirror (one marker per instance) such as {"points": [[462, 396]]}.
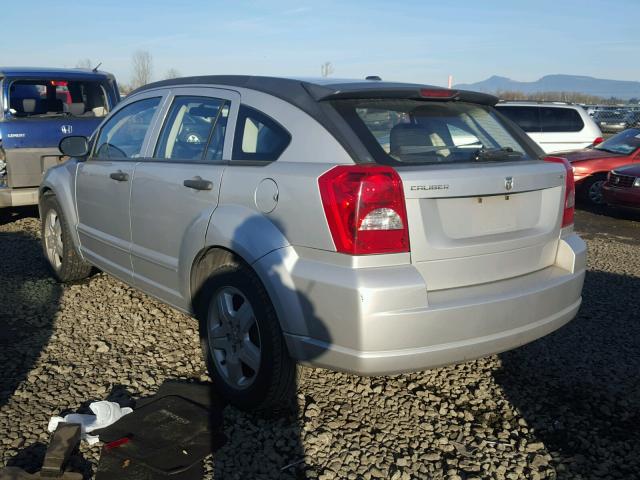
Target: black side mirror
{"points": [[76, 146]]}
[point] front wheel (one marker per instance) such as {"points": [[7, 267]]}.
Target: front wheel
{"points": [[65, 262], [242, 341], [592, 190]]}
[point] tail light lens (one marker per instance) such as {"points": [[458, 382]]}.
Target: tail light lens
{"points": [[365, 209], [598, 140], [438, 93], [570, 191]]}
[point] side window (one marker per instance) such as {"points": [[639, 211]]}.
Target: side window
{"points": [[123, 134], [258, 137], [527, 118], [560, 120], [191, 125]]}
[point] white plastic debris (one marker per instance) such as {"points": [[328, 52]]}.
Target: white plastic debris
{"points": [[105, 412]]}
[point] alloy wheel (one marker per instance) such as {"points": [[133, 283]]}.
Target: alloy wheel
{"points": [[53, 239], [234, 337], [595, 192]]}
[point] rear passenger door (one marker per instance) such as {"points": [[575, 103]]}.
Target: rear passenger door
{"points": [[176, 187]]}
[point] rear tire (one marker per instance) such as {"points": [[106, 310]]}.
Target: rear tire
{"points": [[64, 260], [241, 339]]}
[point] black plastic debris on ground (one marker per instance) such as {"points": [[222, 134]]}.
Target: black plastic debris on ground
{"points": [[167, 436], [63, 443]]}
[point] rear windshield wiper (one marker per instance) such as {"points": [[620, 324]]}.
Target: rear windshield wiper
{"points": [[495, 154]]}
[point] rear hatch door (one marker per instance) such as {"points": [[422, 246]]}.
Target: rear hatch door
{"points": [[478, 223]]}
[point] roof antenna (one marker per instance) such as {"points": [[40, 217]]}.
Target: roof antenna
{"points": [[375, 78], [95, 69]]}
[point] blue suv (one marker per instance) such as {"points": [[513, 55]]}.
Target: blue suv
{"points": [[38, 107]]}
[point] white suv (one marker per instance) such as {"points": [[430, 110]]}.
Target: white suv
{"points": [[554, 126]]}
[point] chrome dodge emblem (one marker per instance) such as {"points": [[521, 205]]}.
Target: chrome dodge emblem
{"points": [[508, 183], [66, 129]]}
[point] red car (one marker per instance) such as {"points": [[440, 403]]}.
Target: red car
{"points": [[591, 165], [622, 188]]}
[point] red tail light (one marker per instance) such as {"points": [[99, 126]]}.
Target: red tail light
{"points": [[598, 140], [570, 191], [365, 209]]}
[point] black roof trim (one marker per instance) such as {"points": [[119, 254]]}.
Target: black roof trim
{"points": [[294, 90], [306, 94]]}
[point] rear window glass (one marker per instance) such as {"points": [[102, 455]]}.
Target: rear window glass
{"points": [[419, 132], [56, 97], [527, 118], [554, 119]]}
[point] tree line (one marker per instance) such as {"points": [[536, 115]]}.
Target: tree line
{"points": [[569, 97], [141, 71]]}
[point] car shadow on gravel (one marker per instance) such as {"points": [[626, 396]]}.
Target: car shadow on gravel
{"points": [[578, 389], [29, 301]]}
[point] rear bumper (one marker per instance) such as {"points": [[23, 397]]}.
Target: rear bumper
{"points": [[383, 320], [623, 197], [615, 127], [17, 197]]}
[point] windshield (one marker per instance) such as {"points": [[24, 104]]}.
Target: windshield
{"points": [[624, 142], [52, 98], [419, 132]]}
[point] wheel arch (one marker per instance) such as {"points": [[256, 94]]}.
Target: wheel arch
{"points": [[60, 181], [275, 279]]}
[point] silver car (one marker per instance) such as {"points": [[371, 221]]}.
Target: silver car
{"points": [[362, 226]]}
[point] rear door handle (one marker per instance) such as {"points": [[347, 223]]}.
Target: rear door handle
{"points": [[119, 176], [198, 183]]}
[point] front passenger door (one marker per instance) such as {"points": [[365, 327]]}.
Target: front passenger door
{"points": [[175, 191], [103, 184]]}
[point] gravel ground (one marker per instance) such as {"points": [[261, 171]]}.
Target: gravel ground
{"points": [[566, 406]]}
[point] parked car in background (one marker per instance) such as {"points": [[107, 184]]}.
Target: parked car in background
{"points": [[614, 121], [38, 107], [362, 226], [591, 165], [622, 188], [554, 126]]}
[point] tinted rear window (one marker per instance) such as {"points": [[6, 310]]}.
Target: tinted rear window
{"points": [[554, 119], [419, 132], [527, 118]]}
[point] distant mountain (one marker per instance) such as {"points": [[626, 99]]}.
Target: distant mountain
{"points": [[560, 83]]}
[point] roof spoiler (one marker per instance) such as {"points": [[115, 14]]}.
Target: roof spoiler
{"points": [[419, 92]]}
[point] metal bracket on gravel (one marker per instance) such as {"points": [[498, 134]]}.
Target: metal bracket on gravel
{"points": [[64, 441]]}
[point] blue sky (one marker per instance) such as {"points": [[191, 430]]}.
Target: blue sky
{"points": [[422, 41]]}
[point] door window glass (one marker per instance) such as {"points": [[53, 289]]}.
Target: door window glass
{"points": [[560, 120], [258, 137], [190, 126], [123, 135]]}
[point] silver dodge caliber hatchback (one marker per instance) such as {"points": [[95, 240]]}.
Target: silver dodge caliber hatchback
{"points": [[363, 226]]}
